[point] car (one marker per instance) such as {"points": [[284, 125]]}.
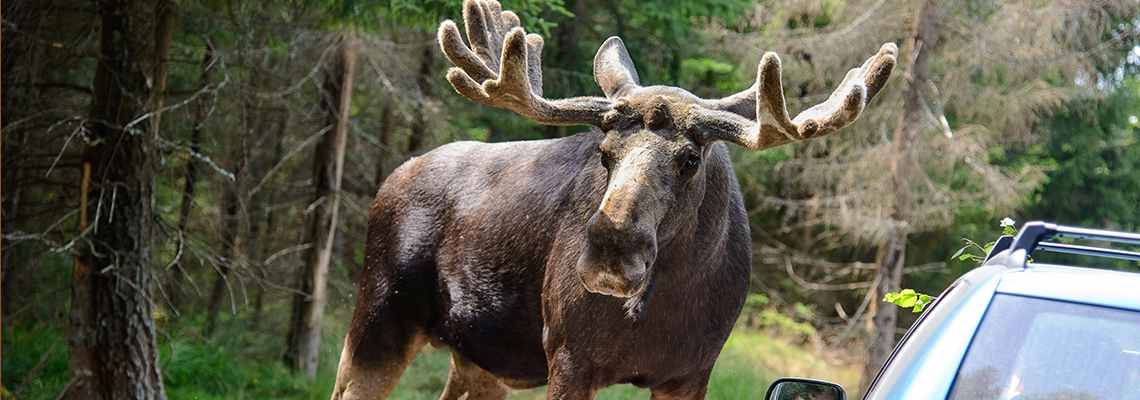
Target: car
{"points": [[1015, 329]]}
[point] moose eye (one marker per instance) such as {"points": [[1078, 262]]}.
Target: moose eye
{"points": [[607, 159], [691, 162]]}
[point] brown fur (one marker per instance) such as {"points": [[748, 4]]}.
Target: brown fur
{"points": [[476, 246]]}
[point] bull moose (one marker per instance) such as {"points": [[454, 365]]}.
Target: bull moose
{"points": [[618, 255]]}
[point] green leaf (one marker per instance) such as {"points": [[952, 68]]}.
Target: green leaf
{"points": [[920, 304], [905, 298], [909, 298], [958, 254]]}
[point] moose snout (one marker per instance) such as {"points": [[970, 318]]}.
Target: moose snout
{"points": [[616, 259], [622, 278]]}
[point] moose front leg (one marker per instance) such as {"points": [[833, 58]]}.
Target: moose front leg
{"points": [[692, 387], [569, 379], [465, 380]]}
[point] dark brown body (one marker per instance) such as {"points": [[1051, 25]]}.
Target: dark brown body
{"points": [[473, 246]]}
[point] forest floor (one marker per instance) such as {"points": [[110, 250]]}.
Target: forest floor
{"points": [[233, 367]]}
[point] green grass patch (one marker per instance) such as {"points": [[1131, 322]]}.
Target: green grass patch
{"points": [[750, 361], [246, 365]]}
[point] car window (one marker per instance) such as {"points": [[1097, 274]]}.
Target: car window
{"points": [[1035, 349]]}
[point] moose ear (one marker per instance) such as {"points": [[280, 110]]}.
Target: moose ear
{"points": [[613, 69]]}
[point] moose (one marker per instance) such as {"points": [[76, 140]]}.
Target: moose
{"points": [[618, 255]]}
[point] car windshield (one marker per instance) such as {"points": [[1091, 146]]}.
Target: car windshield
{"points": [[1035, 349]]}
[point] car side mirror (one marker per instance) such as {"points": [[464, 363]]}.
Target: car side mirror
{"points": [[804, 389]]}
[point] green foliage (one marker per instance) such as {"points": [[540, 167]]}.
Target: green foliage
{"points": [[662, 34], [1095, 148], [781, 324], [755, 301], [34, 364], [426, 14], [710, 77], [219, 370], [908, 298], [794, 324], [972, 252]]}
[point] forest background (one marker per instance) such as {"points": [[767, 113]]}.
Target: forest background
{"points": [[195, 176]]}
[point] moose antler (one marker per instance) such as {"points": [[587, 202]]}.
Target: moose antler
{"points": [[757, 118], [503, 67]]}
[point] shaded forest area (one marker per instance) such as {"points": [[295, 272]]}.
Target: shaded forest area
{"points": [[186, 183]]}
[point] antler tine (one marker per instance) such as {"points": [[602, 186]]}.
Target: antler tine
{"points": [[758, 118], [503, 67]]}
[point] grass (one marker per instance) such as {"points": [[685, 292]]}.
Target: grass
{"points": [[237, 366]]}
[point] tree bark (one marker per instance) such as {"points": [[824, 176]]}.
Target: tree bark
{"points": [[308, 306], [423, 82], [190, 179], [262, 204], [81, 362], [231, 220], [11, 208], [235, 200], [892, 252], [164, 16], [113, 346], [229, 224], [386, 125]]}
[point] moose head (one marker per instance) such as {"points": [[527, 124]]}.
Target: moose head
{"points": [[657, 138]]}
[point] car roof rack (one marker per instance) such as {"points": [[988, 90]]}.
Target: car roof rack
{"points": [[1033, 236]]}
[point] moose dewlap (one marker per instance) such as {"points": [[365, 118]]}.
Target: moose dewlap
{"points": [[619, 255]]}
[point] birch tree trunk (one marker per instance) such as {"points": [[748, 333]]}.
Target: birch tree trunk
{"points": [[304, 338], [892, 252]]}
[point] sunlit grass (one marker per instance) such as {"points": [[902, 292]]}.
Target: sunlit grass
{"points": [[749, 362], [237, 366]]}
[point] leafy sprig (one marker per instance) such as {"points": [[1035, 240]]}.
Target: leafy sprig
{"points": [[908, 298], [971, 251]]}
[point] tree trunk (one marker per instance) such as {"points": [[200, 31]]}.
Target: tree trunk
{"points": [[81, 361], [892, 252], [230, 222], [190, 179], [423, 82], [566, 38], [262, 204], [235, 202], [231, 211], [308, 306], [11, 208], [262, 221], [386, 126], [164, 15], [112, 342], [619, 18]]}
